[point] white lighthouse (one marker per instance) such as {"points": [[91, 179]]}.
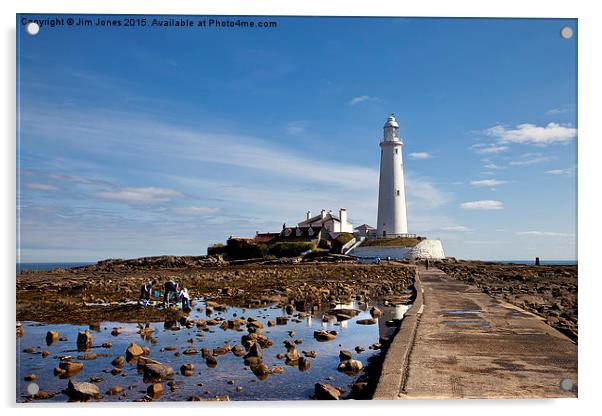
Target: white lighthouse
{"points": [[392, 220]]}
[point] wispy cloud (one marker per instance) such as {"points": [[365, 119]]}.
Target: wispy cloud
{"points": [[486, 149], [483, 204], [294, 128], [419, 155], [41, 187], [458, 229], [546, 233], [552, 133], [492, 166], [196, 211], [531, 159], [562, 172], [488, 182], [361, 99], [561, 110], [144, 195]]}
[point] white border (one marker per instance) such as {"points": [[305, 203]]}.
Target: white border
{"points": [[590, 71]]}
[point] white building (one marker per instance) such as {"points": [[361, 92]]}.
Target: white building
{"points": [[392, 220], [329, 221]]}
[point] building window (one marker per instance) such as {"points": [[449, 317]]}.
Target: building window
{"points": [[396, 151], [398, 192]]}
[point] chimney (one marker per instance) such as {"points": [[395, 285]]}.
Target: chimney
{"points": [[343, 216], [323, 212], [308, 214]]}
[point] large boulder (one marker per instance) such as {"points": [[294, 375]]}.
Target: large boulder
{"points": [[51, 337], [325, 335], [351, 367], [82, 391], [157, 371], [84, 340], [326, 392], [133, 350]]}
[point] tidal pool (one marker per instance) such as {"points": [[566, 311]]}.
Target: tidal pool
{"points": [[229, 378]]}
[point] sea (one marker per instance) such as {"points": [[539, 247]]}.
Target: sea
{"points": [[51, 266]]}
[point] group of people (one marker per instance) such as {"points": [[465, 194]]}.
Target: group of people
{"points": [[171, 291]]}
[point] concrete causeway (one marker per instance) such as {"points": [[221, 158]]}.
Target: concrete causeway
{"points": [[459, 343]]}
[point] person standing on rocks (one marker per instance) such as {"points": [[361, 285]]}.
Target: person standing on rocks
{"points": [[145, 291], [184, 297], [170, 288]]}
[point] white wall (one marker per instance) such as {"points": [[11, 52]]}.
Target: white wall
{"points": [[426, 249]]}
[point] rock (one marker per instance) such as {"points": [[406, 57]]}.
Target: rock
{"points": [[84, 340], [194, 399], [350, 366], [82, 390], [41, 395], [145, 351], [156, 370], [289, 345], [115, 332], [238, 351], [52, 337], [107, 344], [190, 351], [211, 361], [359, 349], [289, 309], [115, 390], [310, 354], [29, 350], [271, 322], [71, 367], [30, 377], [20, 330], [375, 312], [133, 350], [324, 335], [254, 351], [222, 350], [170, 348], [254, 326], [277, 370], [116, 371], [155, 390], [261, 371], [304, 364], [96, 379], [366, 321], [326, 392], [45, 354], [292, 356], [281, 320], [119, 361], [345, 355], [187, 369], [87, 356]]}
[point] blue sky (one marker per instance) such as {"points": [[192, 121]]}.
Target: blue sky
{"points": [[149, 141]]}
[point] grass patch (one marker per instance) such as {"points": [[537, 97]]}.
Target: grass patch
{"points": [[392, 242]]}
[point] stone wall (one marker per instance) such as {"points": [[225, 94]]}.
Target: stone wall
{"points": [[426, 249]]}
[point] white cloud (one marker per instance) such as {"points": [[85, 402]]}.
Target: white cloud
{"points": [[196, 211], [546, 233], [458, 228], [486, 149], [41, 187], [492, 166], [419, 155], [484, 204], [530, 159], [488, 182], [295, 128], [532, 134], [424, 192], [360, 99], [562, 172], [144, 195]]}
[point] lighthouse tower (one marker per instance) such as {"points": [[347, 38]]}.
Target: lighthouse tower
{"points": [[392, 220]]}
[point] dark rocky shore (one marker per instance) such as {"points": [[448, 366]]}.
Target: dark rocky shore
{"points": [[74, 295], [547, 291]]}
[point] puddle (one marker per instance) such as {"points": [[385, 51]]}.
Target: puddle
{"points": [[480, 324], [205, 382]]}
